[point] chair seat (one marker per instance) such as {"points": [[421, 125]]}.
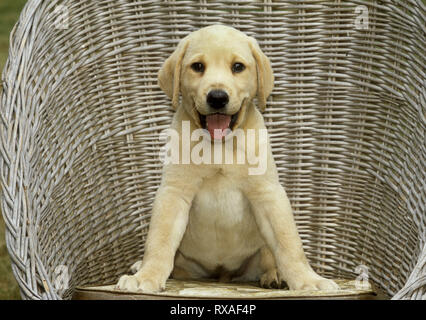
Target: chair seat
{"points": [[188, 290]]}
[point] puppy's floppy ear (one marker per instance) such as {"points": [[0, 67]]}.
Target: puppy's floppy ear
{"points": [[265, 75], [169, 74]]}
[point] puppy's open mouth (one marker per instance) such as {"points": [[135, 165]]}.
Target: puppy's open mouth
{"points": [[218, 124]]}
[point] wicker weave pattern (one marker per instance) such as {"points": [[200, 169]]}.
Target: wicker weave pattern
{"points": [[81, 112]]}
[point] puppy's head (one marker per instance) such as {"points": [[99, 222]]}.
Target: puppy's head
{"points": [[216, 70]]}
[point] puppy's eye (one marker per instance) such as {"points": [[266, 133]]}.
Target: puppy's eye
{"points": [[198, 67], [238, 67]]}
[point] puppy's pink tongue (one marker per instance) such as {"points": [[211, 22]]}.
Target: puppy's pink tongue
{"points": [[217, 125]]}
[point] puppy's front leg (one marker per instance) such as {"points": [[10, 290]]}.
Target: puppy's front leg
{"points": [[274, 217], [168, 223]]}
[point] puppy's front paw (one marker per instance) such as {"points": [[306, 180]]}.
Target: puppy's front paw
{"points": [[127, 283], [313, 282], [137, 282]]}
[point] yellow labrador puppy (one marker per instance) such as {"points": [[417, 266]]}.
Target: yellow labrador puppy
{"points": [[216, 219]]}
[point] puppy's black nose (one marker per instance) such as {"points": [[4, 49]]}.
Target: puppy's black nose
{"points": [[217, 99]]}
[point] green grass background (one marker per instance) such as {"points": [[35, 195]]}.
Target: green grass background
{"points": [[9, 14]]}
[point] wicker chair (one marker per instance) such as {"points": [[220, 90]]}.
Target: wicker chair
{"points": [[81, 113]]}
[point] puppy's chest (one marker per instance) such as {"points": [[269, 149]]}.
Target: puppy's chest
{"points": [[220, 202], [221, 228]]}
